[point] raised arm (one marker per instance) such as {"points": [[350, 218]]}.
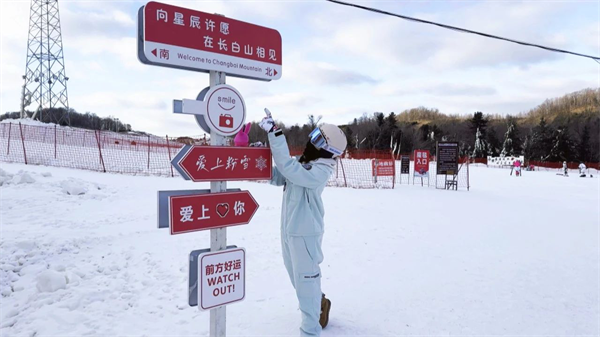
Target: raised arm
{"points": [[291, 169]]}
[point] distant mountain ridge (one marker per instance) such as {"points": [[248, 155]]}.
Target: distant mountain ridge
{"points": [[585, 101]]}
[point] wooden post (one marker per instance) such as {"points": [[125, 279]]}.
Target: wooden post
{"points": [[148, 152], [97, 133], [8, 145], [23, 142], [468, 185], [169, 151], [343, 173], [54, 141]]}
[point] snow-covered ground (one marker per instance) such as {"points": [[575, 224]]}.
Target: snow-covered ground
{"points": [[80, 254]]}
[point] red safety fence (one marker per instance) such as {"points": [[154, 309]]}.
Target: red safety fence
{"points": [[558, 165], [107, 151]]}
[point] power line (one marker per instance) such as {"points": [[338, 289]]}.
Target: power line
{"points": [[463, 30]]}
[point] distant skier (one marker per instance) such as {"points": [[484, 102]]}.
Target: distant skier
{"points": [[565, 169], [302, 213], [517, 167], [582, 170]]}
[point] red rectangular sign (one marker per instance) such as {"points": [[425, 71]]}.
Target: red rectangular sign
{"points": [[184, 38], [421, 160], [189, 213], [383, 167], [214, 163]]}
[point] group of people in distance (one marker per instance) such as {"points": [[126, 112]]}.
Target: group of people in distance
{"points": [[581, 167], [517, 169]]}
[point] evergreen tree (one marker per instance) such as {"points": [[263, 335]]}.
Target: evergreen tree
{"points": [[541, 142], [493, 143], [527, 147], [478, 123], [480, 150], [512, 144], [584, 144], [379, 118], [562, 146]]}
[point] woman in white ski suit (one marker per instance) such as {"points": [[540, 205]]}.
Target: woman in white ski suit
{"points": [[302, 225]]}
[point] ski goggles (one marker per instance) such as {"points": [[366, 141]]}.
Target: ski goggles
{"points": [[317, 138]]}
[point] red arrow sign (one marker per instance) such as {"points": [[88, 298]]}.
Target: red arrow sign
{"points": [[154, 52], [189, 213], [213, 163]]}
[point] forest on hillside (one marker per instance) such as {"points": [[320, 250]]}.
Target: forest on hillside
{"points": [[563, 128], [75, 119]]}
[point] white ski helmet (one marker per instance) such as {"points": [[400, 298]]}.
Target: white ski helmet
{"points": [[329, 138]]}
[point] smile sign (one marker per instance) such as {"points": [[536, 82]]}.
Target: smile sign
{"points": [[225, 110], [220, 108]]}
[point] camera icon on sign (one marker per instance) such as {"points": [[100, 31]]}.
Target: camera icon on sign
{"points": [[226, 121]]}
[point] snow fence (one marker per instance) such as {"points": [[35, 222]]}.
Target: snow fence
{"points": [[105, 151]]}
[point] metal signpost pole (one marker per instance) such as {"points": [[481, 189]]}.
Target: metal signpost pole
{"points": [[218, 237]]}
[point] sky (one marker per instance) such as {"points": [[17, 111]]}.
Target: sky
{"points": [[338, 62]]}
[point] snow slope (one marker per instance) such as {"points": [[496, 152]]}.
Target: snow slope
{"points": [[80, 254]]}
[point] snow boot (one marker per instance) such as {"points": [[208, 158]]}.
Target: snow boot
{"points": [[325, 306]]}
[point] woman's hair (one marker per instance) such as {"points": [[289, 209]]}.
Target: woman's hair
{"points": [[312, 153]]}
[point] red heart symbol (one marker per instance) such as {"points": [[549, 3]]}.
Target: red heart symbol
{"points": [[222, 210]]}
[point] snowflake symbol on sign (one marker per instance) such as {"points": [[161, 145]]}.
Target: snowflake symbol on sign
{"points": [[261, 163]]}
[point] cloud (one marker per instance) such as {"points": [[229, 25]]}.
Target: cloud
{"points": [[452, 89], [326, 74], [399, 43], [338, 62], [104, 21], [435, 89], [297, 99]]}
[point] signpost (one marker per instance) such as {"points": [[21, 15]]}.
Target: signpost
{"points": [[213, 163], [222, 278], [384, 168], [193, 272], [196, 212], [404, 167], [220, 108], [447, 158], [176, 37], [447, 163], [421, 166], [163, 202]]}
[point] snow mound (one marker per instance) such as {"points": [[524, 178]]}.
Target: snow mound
{"points": [[73, 187], [50, 281], [5, 177], [46, 174], [23, 178]]}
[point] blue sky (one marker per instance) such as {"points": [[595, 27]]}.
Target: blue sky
{"points": [[338, 62]]}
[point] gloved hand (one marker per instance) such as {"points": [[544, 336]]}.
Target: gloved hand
{"points": [[267, 123]]}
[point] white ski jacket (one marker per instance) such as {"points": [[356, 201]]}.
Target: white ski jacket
{"points": [[302, 209]]}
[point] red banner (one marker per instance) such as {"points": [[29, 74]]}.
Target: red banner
{"points": [[189, 213], [383, 167], [213, 163], [421, 158]]}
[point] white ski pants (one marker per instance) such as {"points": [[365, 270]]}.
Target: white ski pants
{"points": [[302, 256]]}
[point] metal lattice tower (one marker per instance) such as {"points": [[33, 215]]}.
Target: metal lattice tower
{"points": [[45, 77]]}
